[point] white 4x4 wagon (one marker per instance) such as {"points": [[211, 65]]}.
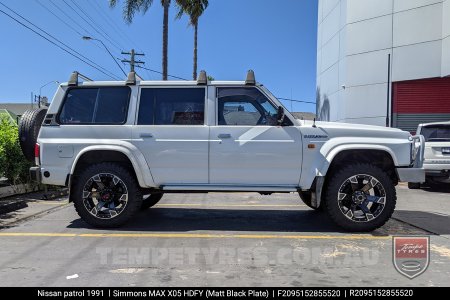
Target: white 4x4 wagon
{"points": [[437, 153], [113, 142]]}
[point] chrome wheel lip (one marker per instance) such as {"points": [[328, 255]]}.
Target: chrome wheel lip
{"points": [[364, 197], [105, 202]]}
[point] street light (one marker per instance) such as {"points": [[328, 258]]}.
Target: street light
{"points": [[88, 38], [40, 90]]}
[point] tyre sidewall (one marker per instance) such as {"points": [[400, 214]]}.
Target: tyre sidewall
{"points": [[29, 127]]}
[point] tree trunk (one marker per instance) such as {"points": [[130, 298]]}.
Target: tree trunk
{"points": [[194, 74], [165, 39]]}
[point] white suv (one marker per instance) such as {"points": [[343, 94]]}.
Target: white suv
{"points": [[437, 153], [113, 142]]}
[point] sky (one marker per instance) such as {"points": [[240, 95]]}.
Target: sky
{"points": [[275, 38]]}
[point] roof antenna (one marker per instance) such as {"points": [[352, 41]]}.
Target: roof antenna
{"points": [[314, 123]]}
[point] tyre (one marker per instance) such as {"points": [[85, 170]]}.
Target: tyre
{"points": [[106, 195], [360, 198], [151, 201], [29, 126], [413, 185]]}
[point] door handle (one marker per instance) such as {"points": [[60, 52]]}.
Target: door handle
{"points": [[146, 135], [224, 136]]}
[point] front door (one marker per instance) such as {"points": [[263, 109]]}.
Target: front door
{"points": [[247, 147], [172, 135]]}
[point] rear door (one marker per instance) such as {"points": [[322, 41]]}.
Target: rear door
{"points": [[172, 135]]}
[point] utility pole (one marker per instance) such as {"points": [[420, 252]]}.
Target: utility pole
{"points": [[133, 62], [37, 98]]}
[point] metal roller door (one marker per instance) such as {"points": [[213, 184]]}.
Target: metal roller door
{"points": [[420, 101]]}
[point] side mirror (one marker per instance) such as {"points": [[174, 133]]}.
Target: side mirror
{"points": [[280, 115]]}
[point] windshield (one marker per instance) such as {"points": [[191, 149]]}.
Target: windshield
{"points": [[436, 133]]}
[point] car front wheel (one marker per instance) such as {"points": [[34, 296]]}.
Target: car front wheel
{"points": [[360, 197], [106, 195]]}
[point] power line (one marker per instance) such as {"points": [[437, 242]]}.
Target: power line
{"points": [[68, 16], [97, 25], [57, 40], [298, 101], [59, 18], [154, 71], [88, 62], [111, 22], [93, 27]]}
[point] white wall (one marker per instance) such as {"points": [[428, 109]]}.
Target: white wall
{"points": [[354, 41]]}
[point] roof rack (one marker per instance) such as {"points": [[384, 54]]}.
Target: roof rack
{"points": [[73, 81], [202, 78], [250, 78]]}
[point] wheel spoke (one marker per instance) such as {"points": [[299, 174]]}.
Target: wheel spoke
{"points": [[370, 185], [354, 183], [364, 207], [99, 181], [376, 199], [100, 205]]}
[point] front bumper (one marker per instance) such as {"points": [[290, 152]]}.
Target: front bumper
{"points": [[35, 174], [415, 173]]}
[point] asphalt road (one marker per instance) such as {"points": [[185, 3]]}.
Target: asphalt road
{"points": [[223, 240]]}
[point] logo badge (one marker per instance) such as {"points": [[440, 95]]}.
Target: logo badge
{"points": [[411, 255]]}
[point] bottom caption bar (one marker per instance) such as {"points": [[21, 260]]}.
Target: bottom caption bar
{"points": [[208, 293]]}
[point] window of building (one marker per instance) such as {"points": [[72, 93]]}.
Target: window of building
{"points": [[104, 105], [172, 106]]}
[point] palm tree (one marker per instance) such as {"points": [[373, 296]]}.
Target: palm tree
{"points": [[131, 7], [194, 9]]}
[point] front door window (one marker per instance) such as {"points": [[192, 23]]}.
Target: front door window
{"points": [[245, 107]]}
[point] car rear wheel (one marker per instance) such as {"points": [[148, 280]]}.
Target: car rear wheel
{"points": [[360, 197], [106, 195]]}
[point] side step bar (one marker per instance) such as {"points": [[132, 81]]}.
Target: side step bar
{"points": [[225, 188]]}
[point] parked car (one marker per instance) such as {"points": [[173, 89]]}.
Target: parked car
{"points": [[437, 153], [113, 142]]}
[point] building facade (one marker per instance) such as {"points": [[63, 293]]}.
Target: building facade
{"points": [[384, 62]]}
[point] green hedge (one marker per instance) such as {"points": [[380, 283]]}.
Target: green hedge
{"points": [[13, 164]]}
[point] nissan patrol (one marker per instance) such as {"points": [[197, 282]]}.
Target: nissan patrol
{"points": [[113, 142]]}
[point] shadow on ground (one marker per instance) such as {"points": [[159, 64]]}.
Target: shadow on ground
{"points": [[228, 220], [440, 188], [431, 222]]}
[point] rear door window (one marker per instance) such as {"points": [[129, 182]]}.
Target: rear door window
{"points": [[102, 105], [172, 106]]}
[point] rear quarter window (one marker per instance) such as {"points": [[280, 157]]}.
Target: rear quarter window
{"points": [[97, 105]]}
